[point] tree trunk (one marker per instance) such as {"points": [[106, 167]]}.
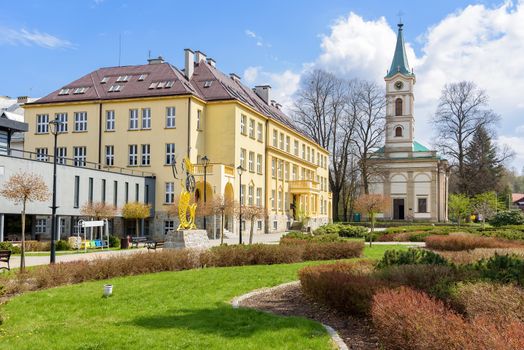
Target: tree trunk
{"points": [[336, 198], [22, 251], [372, 216], [222, 228], [251, 230]]}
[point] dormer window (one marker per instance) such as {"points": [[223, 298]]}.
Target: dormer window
{"points": [[64, 92], [208, 83], [80, 90], [122, 78], [142, 77], [152, 85], [169, 84], [114, 88], [104, 80], [160, 84]]}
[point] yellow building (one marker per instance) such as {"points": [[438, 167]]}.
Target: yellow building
{"points": [[145, 116]]}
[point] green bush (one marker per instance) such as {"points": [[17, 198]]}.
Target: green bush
{"points": [[62, 245], [304, 238], [502, 268], [508, 217], [114, 242], [411, 256], [9, 246], [341, 230]]}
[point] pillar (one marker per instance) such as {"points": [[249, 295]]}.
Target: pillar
{"points": [[2, 227]]}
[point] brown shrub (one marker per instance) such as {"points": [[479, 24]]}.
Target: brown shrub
{"points": [[471, 256], [37, 246], [503, 301], [408, 319], [347, 287], [333, 251], [256, 254], [457, 242]]}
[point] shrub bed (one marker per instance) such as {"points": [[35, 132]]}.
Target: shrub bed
{"points": [[467, 242], [472, 256], [411, 256], [9, 246], [303, 238], [409, 319], [342, 230], [508, 217], [502, 268]]}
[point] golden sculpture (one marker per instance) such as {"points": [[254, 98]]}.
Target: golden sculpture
{"points": [[187, 211]]}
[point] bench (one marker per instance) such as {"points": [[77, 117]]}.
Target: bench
{"points": [[154, 245], [137, 240], [5, 255]]}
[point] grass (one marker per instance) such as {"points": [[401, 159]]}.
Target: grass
{"points": [[376, 251], [168, 310]]}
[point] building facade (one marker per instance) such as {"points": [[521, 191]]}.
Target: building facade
{"points": [[148, 117], [413, 176]]}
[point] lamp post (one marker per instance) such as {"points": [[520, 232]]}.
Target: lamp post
{"points": [[240, 170], [54, 126], [205, 162]]}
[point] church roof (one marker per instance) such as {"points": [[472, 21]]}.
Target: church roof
{"points": [[400, 59], [417, 147]]}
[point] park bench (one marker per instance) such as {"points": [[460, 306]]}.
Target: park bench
{"points": [[135, 241], [154, 245], [5, 255]]}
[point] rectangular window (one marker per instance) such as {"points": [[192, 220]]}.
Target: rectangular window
{"points": [[76, 197], [110, 120], [79, 156], [259, 163], [275, 225], [422, 205], [170, 192], [103, 191], [243, 158], [280, 169], [41, 154], [308, 154], [313, 156], [273, 167], [146, 194], [61, 154], [137, 192], [281, 145], [251, 162], [110, 155], [146, 155], [41, 226], [133, 119], [62, 227], [146, 118], [199, 120], [252, 128], [295, 148], [294, 174], [243, 121], [286, 171], [303, 151], [133, 155], [259, 132], [170, 117], [279, 200], [115, 193], [250, 195], [126, 191], [80, 121], [273, 199], [242, 194], [288, 141], [259, 225], [169, 225], [275, 138], [259, 196], [62, 118], [170, 153], [286, 201], [42, 123], [90, 190]]}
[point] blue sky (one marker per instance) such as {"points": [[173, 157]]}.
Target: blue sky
{"points": [[46, 44]]}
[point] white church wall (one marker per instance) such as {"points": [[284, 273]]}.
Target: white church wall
{"points": [[398, 184]]}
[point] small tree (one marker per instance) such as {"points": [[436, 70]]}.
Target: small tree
{"points": [[22, 188], [485, 204], [98, 210], [251, 213], [222, 206], [372, 204], [137, 211], [459, 206]]}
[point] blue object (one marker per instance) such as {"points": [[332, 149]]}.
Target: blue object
{"points": [[400, 60]]}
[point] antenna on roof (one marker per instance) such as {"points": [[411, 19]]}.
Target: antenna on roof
{"points": [[119, 47], [149, 54]]}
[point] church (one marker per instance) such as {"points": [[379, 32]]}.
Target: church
{"points": [[414, 177]]}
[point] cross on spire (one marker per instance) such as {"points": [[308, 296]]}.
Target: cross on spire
{"points": [[400, 13]]}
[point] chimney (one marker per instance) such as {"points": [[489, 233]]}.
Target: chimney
{"points": [[211, 62], [21, 100], [264, 92], [189, 63], [157, 60], [235, 77], [200, 56], [278, 105], [273, 103]]}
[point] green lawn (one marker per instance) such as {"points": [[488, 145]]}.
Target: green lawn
{"points": [[169, 310]]}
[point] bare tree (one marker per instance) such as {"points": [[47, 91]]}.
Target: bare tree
{"points": [[369, 130], [462, 109], [372, 204], [251, 213], [98, 211], [321, 111], [222, 206], [22, 188]]}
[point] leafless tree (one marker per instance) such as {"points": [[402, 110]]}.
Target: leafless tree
{"points": [[462, 109], [222, 206], [22, 188], [251, 213], [370, 127]]}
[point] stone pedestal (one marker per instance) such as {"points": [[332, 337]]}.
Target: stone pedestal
{"points": [[187, 239]]}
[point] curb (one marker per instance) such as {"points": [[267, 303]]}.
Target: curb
{"points": [[335, 337]]}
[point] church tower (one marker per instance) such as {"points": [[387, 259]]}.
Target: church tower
{"points": [[400, 122]]}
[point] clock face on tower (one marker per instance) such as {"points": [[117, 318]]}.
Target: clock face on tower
{"points": [[399, 85]]}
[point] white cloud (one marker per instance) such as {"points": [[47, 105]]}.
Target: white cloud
{"points": [[515, 143], [250, 33], [29, 38], [259, 41], [251, 74]]}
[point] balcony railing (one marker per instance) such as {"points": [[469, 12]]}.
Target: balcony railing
{"points": [[48, 158], [214, 168], [303, 186]]}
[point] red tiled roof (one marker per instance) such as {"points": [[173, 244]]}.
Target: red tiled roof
{"points": [[515, 197]]}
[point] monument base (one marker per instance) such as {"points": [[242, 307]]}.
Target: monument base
{"points": [[187, 239]]}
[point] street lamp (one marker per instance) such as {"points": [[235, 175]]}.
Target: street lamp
{"points": [[205, 162], [240, 170], [54, 125]]}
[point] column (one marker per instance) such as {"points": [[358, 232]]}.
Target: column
{"points": [[2, 227]]}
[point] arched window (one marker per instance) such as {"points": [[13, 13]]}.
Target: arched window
{"points": [[398, 131], [398, 106]]}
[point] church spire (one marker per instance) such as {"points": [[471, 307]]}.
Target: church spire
{"points": [[400, 60]]}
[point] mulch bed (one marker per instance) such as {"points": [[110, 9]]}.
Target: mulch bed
{"points": [[289, 300]]}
